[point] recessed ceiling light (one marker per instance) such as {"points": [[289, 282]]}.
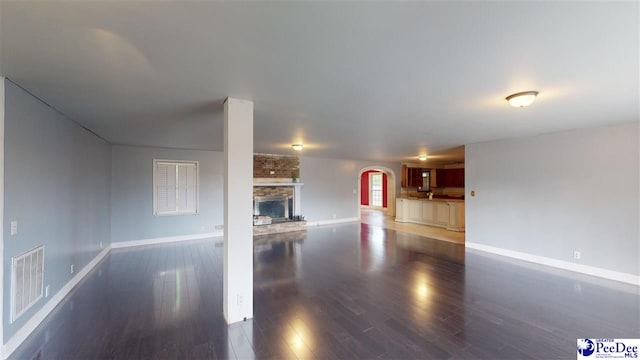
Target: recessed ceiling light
{"points": [[522, 99], [297, 147], [422, 157]]}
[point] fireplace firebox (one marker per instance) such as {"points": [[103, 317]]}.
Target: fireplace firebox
{"points": [[274, 206]]}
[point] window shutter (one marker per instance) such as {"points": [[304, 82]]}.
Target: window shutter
{"points": [[165, 188], [175, 187], [192, 188]]}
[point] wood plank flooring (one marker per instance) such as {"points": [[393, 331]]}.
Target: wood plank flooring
{"points": [[347, 292]]}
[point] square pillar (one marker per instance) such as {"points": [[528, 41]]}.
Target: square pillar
{"points": [[238, 210], [4, 291]]}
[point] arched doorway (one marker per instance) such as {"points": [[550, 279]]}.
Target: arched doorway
{"points": [[390, 198]]}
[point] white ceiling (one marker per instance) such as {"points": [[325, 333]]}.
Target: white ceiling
{"points": [[379, 81]]}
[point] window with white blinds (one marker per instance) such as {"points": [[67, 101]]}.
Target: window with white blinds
{"points": [[175, 187]]}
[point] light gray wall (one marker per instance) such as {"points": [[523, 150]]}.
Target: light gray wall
{"points": [[132, 194], [551, 194], [329, 186], [57, 184]]}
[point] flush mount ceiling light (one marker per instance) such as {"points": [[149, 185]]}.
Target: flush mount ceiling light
{"points": [[522, 99], [297, 147], [422, 157]]}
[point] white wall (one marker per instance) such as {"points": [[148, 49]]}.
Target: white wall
{"points": [[329, 186], [551, 194], [132, 194]]}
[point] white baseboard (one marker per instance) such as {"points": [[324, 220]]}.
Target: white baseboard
{"points": [[560, 264], [21, 335], [168, 239], [331, 222]]}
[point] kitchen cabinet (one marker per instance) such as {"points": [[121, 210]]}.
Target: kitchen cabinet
{"points": [[415, 211], [448, 178], [448, 214], [400, 208], [411, 177]]}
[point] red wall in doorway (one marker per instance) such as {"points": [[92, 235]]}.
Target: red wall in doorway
{"points": [[364, 188]]}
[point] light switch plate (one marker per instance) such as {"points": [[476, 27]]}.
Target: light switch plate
{"points": [[14, 227]]}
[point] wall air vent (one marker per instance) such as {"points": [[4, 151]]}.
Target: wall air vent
{"points": [[27, 273]]}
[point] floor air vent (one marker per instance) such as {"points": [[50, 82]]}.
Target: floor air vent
{"points": [[26, 280]]}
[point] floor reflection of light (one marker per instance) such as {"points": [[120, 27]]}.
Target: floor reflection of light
{"points": [[171, 298], [297, 341], [422, 293], [374, 258], [298, 336], [422, 290], [178, 299]]}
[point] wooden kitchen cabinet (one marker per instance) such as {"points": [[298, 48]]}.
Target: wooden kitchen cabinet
{"points": [[405, 176], [411, 177], [449, 178], [456, 178]]}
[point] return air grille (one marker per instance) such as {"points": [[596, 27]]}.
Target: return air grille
{"points": [[26, 280]]}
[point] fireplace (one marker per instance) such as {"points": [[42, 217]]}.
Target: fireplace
{"points": [[274, 206]]}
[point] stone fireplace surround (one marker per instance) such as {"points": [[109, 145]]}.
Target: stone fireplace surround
{"points": [[278, 175], [283, 187]]}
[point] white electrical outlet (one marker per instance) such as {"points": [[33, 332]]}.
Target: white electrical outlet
{"points": [[72, 268], [576, 255], [46, 291], [334, 216], [14, 227], [239, 300], [100, 244]]}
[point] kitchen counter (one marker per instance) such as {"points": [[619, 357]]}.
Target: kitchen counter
{"points": [[434, 199], [444, 213]]}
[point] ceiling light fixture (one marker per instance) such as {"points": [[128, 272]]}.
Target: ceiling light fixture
{"points": [[522, 99], [422, 157], [297, 147]]}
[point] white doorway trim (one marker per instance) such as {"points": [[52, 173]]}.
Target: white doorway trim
{"points": [[391, 189]]}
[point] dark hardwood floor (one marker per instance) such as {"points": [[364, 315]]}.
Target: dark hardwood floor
{"points": [[352, 291]]}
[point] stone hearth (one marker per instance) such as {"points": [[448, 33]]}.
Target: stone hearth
{"points": [[280, 227]]}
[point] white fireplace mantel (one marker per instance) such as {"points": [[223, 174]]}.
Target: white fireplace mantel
{"points": [[277, 184], [297, 193]]}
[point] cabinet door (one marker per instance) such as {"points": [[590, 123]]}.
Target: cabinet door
{"points": [[450, 178], [416, 176], [415, 210], [442, 213], [427, 211], [412, 177], [405, 176], [400, 209], [456, 178]]}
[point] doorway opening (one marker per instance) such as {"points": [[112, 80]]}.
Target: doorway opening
{"points": [[376, 190]]}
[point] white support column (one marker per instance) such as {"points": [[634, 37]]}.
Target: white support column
{"points": [[238, 210], [4, 286]]}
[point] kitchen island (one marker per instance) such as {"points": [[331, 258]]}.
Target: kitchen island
{"points": [[444, 213]]}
